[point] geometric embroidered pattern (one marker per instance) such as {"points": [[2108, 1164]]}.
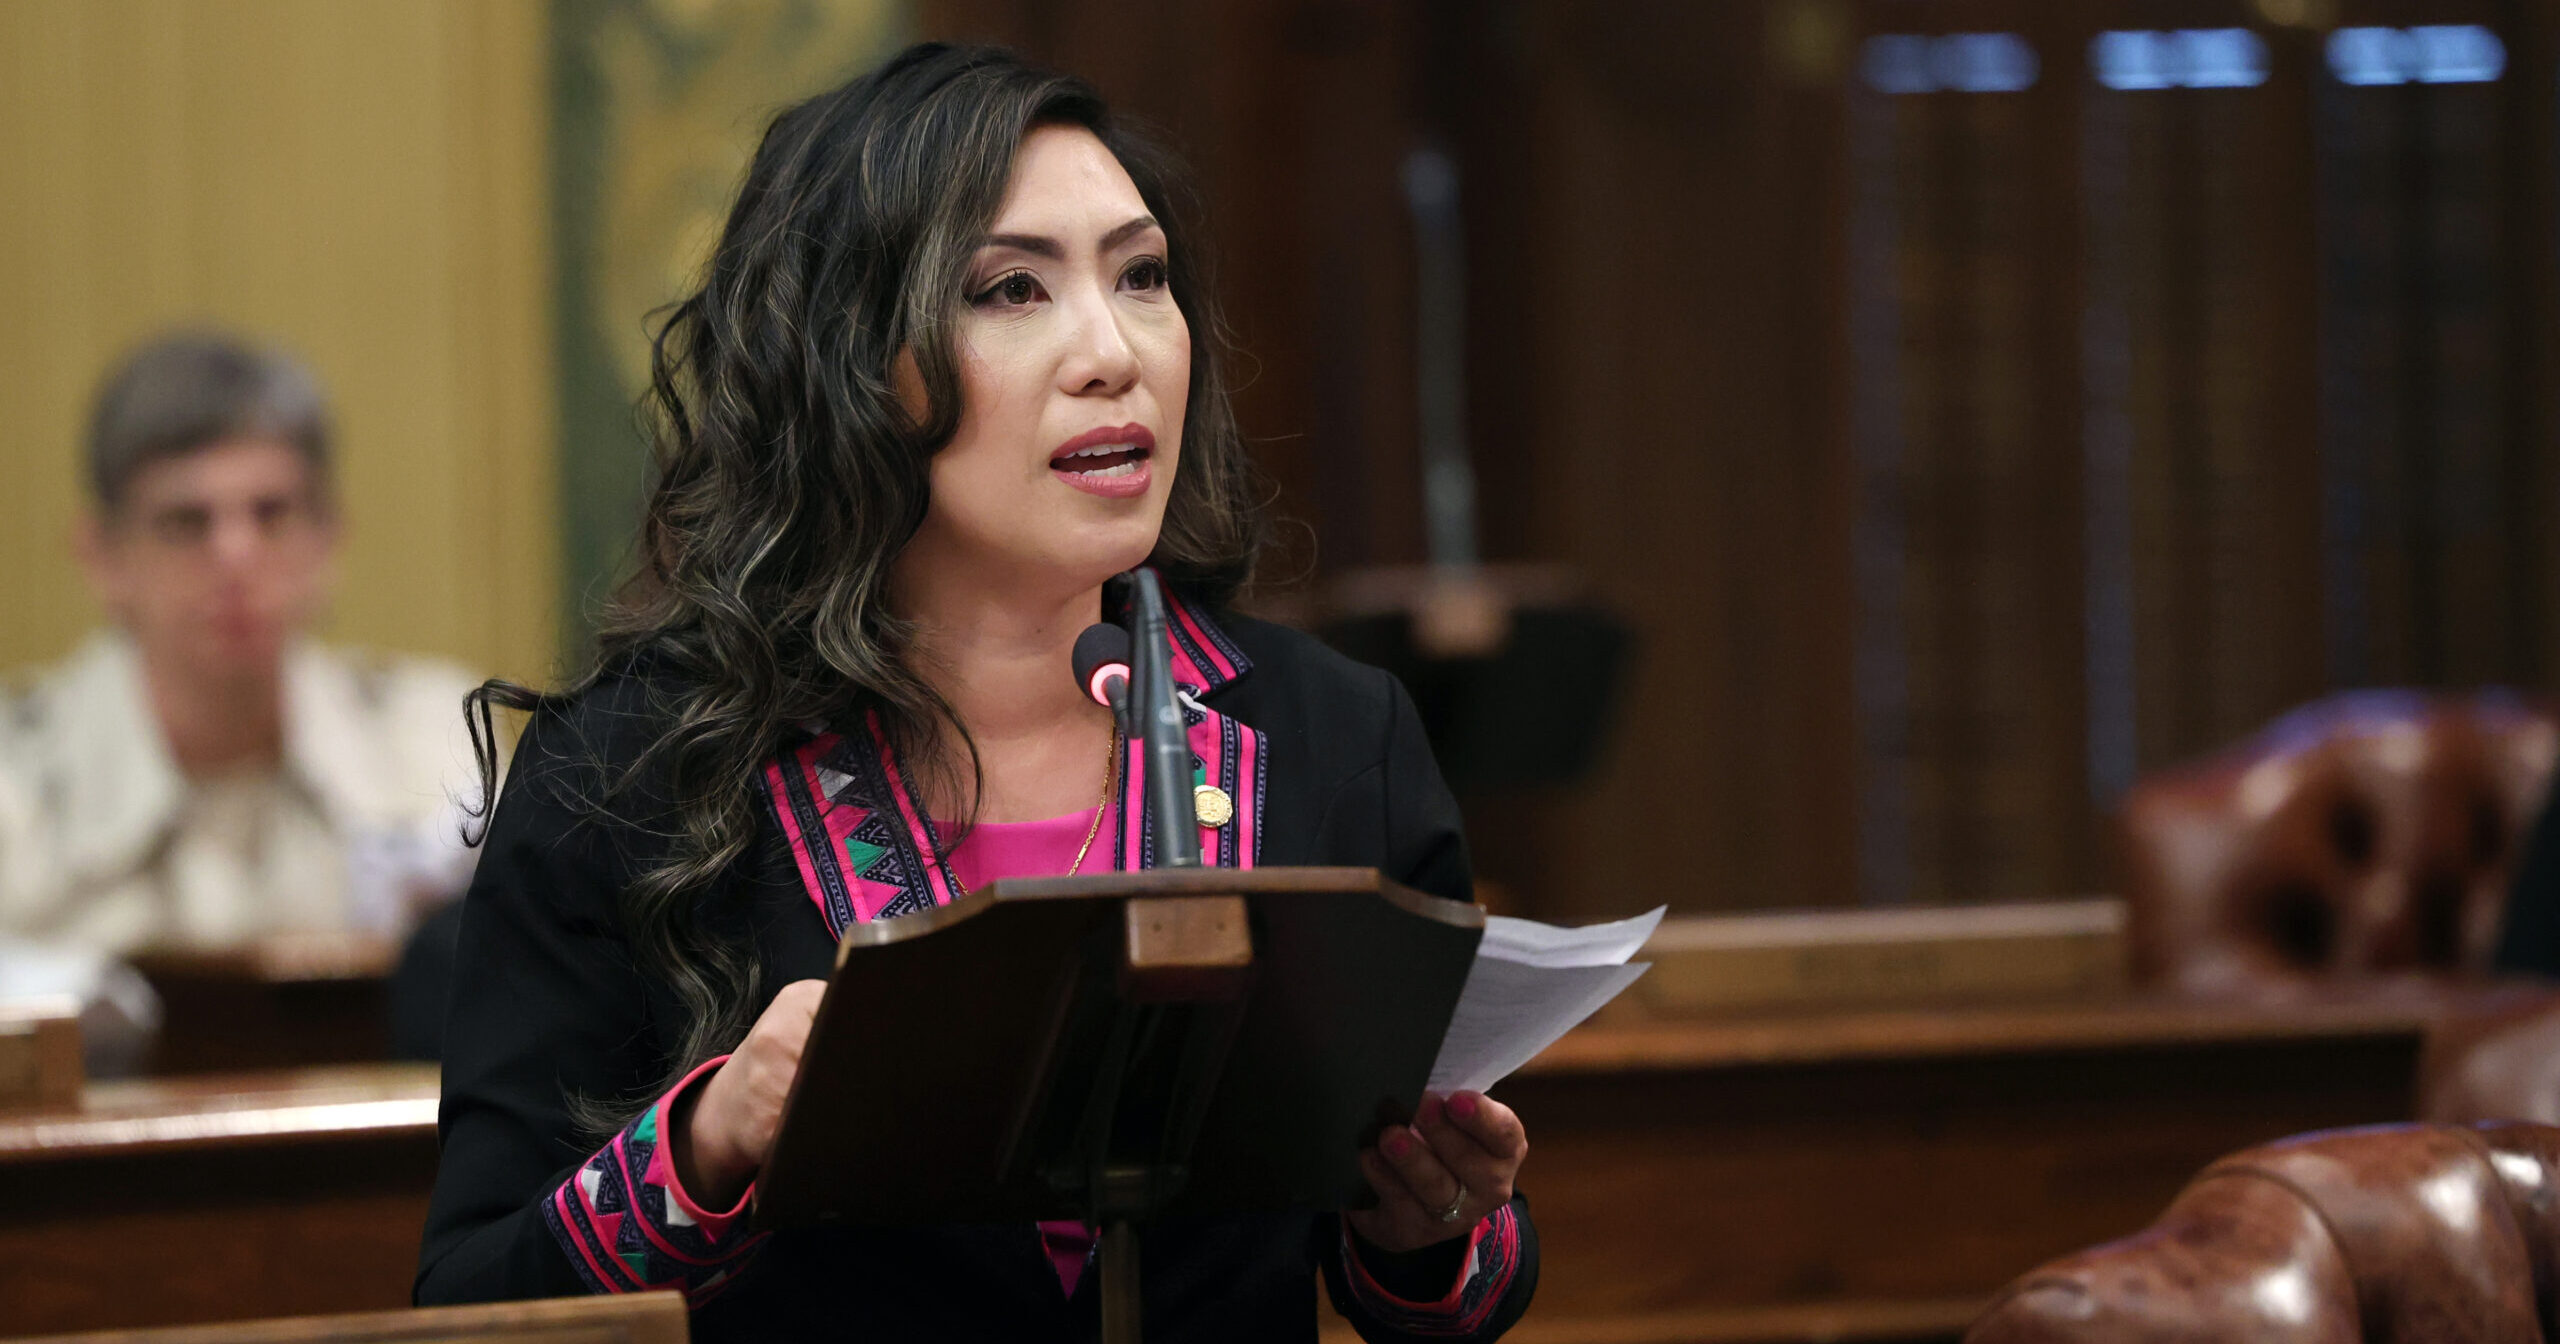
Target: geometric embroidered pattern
{"points": [[873, 853], [627, 1225], [859, 853], [1493, 1257], [865, 852]]}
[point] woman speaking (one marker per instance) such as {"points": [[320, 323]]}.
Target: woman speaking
{"points": [[951, 368]]}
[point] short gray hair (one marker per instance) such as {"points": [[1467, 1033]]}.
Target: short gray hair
{"points": [[193, 389]]}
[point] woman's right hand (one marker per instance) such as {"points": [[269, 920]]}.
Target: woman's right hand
{"points": [[722, 1130]]}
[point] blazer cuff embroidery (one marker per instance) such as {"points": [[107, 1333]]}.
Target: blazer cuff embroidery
{"points": [[627, 1225], [1493, 1257]]}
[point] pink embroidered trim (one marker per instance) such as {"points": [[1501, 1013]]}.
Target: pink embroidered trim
{"points": [[628, 1226], [1493, 1257], [936, 877], [803, 761]]}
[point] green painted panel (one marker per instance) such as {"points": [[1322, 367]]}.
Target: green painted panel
{"points": [[657, 105]]}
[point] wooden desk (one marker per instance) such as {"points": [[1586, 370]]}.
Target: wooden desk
{"points": [[1876, 1176], [1869, 1176], [203, 1199]]}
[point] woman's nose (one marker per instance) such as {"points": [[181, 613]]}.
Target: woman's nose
{"points": [[1101, 362]]}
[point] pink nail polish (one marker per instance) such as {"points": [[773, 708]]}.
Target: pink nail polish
{"points": [[1463, 1106], [1398, 1146]]}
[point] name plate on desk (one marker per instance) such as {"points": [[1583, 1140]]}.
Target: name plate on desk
{"points": [[1817, 959]]}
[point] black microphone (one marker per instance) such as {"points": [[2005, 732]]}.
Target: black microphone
{"points": [[1159, 721], [1102, 667]]}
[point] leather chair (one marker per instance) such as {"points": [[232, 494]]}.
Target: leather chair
{"points": [[2368, 834], [2407, 1234]]}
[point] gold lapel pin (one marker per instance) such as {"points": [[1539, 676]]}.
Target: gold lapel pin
{"points": [[1212, 805]]}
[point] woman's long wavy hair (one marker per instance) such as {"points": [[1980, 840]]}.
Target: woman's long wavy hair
{"points": [[788, 476]]}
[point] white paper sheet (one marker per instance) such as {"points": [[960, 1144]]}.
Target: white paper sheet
{"points": [[1532, 983], [1530, 943], [1509, 1012]]}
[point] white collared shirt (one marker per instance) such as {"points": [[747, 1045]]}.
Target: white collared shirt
{"points": [[106, 844]]}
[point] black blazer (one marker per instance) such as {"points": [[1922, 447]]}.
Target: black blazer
{"points": [[548, 1002]]}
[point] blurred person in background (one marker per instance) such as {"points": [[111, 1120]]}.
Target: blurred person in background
{"points": [[201, 774]]}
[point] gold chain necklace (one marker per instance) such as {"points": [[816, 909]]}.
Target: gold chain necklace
{"points": [[1110, 788]]}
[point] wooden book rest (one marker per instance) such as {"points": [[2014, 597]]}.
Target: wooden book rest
{"points": [[1119, 1047]]}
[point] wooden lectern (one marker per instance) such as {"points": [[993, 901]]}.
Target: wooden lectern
{"points": [[1118, 1047]]}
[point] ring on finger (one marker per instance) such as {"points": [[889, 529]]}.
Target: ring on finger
{"points": [[1449, 1213]]}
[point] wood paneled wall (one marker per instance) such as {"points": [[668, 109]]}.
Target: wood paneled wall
{"points": [[1673, 293], [1652, 216], [1956, 455], [363, 182]]}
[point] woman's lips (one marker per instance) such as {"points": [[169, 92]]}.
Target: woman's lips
{"points": [[1127, 476], [1110, 461]]}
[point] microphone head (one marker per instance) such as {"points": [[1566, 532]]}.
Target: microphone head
{"points": [[1102, 652]]}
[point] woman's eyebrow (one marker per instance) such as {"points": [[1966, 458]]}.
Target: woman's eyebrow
{"points": [[1032, 243], [1041, 245], [1127, 231]]}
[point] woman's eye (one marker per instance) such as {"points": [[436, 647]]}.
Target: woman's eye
{"points": [[1013, 291], [1145, 273]]}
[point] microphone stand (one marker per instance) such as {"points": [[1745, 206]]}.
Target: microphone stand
{"points": [[1158, 727], [1153, 718]]}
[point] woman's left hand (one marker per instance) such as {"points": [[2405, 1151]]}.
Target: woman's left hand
{"points": [[1461, 1152]]}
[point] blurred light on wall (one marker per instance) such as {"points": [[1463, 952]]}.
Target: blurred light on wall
{"points": [[2187, 58], [1948, 63], [2445, 53]]}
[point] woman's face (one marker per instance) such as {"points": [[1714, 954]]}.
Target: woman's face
{"points": [[1075, 369]]}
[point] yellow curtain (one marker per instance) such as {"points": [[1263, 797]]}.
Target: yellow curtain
{"points": [[362, 182]]}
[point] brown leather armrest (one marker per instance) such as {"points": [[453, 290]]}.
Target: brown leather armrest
{"points": [[2405, 1234]]}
